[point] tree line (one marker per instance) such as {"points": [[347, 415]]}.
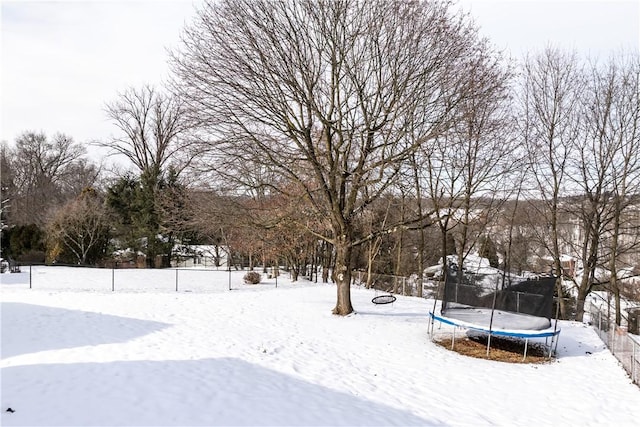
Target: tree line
{"points": [[373, 135]]}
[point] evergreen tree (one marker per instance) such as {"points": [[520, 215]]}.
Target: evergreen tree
{"points": [[488, 250]]}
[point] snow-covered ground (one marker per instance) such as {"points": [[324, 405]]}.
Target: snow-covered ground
{"points": [[74, 353]]}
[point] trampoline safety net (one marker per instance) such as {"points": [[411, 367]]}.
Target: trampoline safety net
{"points": [[533, 296]]}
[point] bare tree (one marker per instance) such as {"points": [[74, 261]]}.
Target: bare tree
{"points": [[219, 219], [40, 174], [7, 184], [152, 131], [321, 94], [80, 227], [468, 169], [285, 235], [625, 241], [550, 120], [608, 170]]}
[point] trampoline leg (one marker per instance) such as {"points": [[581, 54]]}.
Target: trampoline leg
{"points": [[551, 347], [526, 344], [453, 337], [488, 343]]}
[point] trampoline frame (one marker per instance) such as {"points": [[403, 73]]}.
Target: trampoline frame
{"points": [[552, 333], [490, 329]]}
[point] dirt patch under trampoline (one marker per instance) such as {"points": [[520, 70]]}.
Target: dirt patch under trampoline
{"points": [[501, 349]]}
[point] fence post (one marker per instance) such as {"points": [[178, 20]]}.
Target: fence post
{"points": [[634, 362], [29, 276], [600, 324], [113, 282], [176, 280]]}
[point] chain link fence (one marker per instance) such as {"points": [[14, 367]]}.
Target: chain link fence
{"points": [[84, 278], [398, 285], [624, 345]]}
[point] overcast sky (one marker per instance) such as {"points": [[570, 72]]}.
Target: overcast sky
{"points": [[62, 61]]}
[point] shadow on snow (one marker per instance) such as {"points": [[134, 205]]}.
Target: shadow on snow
{"points": [[28, 328], [223, 391]]}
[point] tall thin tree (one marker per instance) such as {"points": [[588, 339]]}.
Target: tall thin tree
{"points": [[550, 121]]}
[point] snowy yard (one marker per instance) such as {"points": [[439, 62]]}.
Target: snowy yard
{"points": [[74, 353]]}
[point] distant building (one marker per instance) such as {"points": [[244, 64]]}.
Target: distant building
{"points": [[205, 256]]}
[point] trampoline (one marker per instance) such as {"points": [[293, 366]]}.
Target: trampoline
{"points": [[498, 304]]}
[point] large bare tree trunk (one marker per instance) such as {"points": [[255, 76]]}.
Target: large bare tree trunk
{"points": [[342, 275], [583, 292], [590, 257]]}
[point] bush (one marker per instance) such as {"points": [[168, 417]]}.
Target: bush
{"points": [[252, 278], [26, 243], [32, 256]]}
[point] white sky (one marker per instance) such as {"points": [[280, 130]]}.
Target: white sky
{"points": [[62, 61], [595, 28]]}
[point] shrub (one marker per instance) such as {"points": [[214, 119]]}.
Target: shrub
{"points": [[26, 240], [32, 256], [252, 278]]}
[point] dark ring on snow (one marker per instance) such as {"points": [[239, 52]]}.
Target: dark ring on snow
{"points": [[383, 299]]}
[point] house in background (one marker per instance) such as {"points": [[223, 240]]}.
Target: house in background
{"points": [[204, 256]]}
